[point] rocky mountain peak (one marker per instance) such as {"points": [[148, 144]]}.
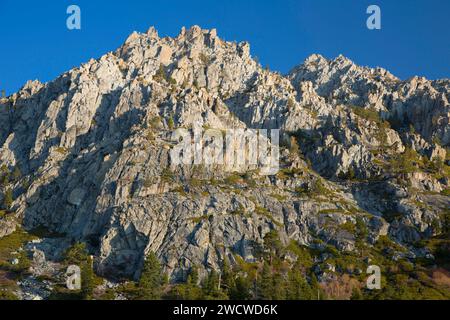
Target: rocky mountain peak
{"points": [[93, 148]]}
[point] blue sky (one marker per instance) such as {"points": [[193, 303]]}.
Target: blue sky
{"points": [[414, 39]]}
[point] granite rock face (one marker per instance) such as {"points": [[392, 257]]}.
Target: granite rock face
{"points": [[93, 147]]}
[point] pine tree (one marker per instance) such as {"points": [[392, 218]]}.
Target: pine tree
{"points": [[278, 287], [240, 289], [227, 275], [151, 279], [273, 244], [264, 285], [8, 199], [4, 175], [211, 286], [298, 288], [87, 279], [78, 255], [16, 173], [317, 293], [193, 275]]}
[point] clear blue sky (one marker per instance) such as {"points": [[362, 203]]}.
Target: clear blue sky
{"points": [[414, 39]]}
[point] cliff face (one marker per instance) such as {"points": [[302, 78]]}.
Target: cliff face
{"points": [[93, 148]]}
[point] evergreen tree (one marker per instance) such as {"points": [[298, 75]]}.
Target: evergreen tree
{"points": [[78, 255], [191, 290], [278, 287], [273, 244], [211, 285], [16, 173], [264, 285], [149, 286], [87, 279], [298, 288], [240, 289], [193, 275], [227, 275], [4, 175], [8, 199]]}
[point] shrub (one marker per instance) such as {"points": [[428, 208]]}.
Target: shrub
{"points": [[171, 123], [7, 295], [17, 174], [367, 114], [167, 175], [172, 81], [407, 162], [155, 122], [61, 150], [76, 254], [160, 74], [294, 148], [205, 59], [233, 179]]}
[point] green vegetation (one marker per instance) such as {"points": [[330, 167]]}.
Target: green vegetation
{"points": [[171, 123], [205, 59], [4, 175], [294, 148], [8, 199], [199, 219], [233, 179], [372, 115], [62, 150], [155, 122], [239, 211], [368, 114], [10, 248], [317, 189], [16, 174], [160, 74], [349, 175], [7, 295], [78, 255], [149, 285], [167, 175], [288, 173], [273, 277], [172, 81], [407, 162], [279, 197], [290, 104]]}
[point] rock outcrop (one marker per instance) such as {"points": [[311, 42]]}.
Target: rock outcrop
{"points": [[93, 148]]}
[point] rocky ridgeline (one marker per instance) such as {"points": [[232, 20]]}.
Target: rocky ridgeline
{"points": [[93, 151]]}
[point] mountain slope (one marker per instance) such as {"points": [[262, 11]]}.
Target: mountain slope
{"points": [[93, 148]]}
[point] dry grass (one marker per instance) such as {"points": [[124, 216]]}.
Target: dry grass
{"points": [[441, 277], [340, 288]]}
